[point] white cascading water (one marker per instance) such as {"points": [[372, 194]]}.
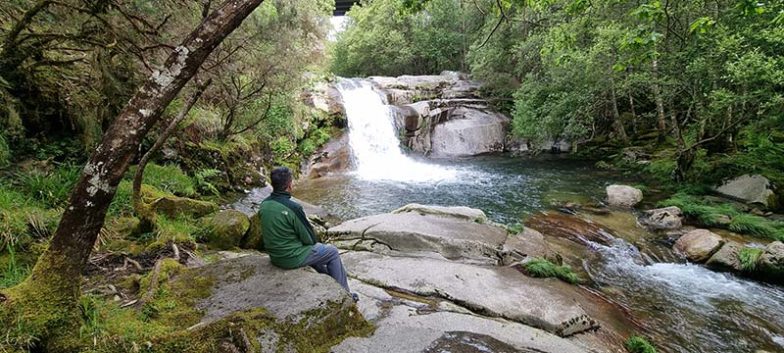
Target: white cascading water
{"points": [[373, 139], [701, 296]]}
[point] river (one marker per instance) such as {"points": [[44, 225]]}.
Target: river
{"points": [[682, 307]]}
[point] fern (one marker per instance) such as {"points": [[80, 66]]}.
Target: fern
{"points": [[202, 180]]}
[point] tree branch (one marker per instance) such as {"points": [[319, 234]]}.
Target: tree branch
{"points": [[183, 113]]}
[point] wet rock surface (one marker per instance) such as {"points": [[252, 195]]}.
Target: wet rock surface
{"points": [[438, 283], [333, 157], [726, 258], [251, 281], [246, 304], [409, 324], [570, 227], [443, 115], [495, 292], [771, 262], [469, 132]]}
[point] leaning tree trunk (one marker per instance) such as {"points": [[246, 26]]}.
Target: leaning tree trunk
{"points": [[45, 301]]}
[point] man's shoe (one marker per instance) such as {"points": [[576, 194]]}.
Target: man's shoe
{"points": [[355, 296]]}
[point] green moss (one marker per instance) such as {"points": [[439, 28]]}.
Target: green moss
{"points": [[167, 204], [748, 258], [314, 140], [42, 312], [514, 228], [5, 152], [121, 204], [177, 229], [638, 344], [543, 268], [225, 229], [168, 320]]}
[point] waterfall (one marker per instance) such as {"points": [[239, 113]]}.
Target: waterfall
{"points": [[374, 142]]}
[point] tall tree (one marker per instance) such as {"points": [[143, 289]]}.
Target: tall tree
{"points": [[44, 303]]}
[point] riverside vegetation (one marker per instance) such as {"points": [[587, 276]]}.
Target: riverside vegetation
{"points": [[684, 91], [69, 73], [681, 94]]}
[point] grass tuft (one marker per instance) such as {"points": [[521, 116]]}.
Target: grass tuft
{"points": [[544, 269], [748, 258], [756, 225], [638, 344], [169, 178], [13, 273], [53, 188]]}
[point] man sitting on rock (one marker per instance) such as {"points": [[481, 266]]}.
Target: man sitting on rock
{"points": [[289, 238]]}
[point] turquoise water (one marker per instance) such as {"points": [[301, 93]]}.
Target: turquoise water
{"points": [[506, 188]]}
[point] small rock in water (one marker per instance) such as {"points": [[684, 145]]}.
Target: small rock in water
{"points": [[668, 218], [698, 245], [623, 196], [727, 257], [771, 262]]}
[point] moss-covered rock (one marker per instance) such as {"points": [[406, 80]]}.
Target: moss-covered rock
{"points": [[242, 304], [126, 226], [253, 238], [226, 229], [173, 206], [240, 161]]}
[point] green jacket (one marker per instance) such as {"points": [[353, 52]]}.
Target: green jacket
{"points": [[288, 237]]}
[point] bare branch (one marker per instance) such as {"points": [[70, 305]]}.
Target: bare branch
{"points": [[137, 178]]}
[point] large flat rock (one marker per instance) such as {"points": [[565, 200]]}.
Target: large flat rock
{"points": [[413, 233], [749, 188], [405, 330], [491, 291], [246, 304], [251, 281]]}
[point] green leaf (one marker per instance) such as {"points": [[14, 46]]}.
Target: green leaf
{"points": [[702, 25]]}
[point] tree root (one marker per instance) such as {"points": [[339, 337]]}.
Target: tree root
{"points": [[153, 282]]}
